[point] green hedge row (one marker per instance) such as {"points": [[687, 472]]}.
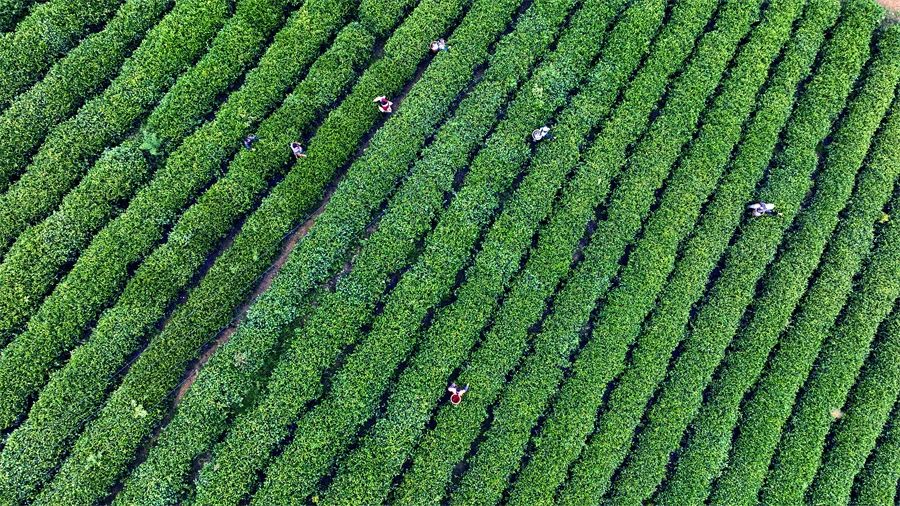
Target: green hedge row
{"points": [[366, 473], [11, 11], [877, 483], [716, 321], [843, 352], [80, 74], [367, 369], [655, 255], [184, 105], [92, 284], [235, 48], [58, 414], [839, 361], [458, 426], [533, 34], [699, 257], [121, 329], [417, 118], [32, 264], [704, 454], [75, 143], [750, 351], [867, 411], [572, 416], [393, 243], [48, 31], [159, 368]]}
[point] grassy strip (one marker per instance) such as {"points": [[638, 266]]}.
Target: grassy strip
{"points": [[189, 99], [49, 31], [571, 420], [704, 454], [421, 110], [716, 322], [80, 74], [59, 414], [344, 310], [368, 367], [877, 483], [159, 368], [169, 49], [840, 359], [868, 408], [11, 11], [32, 264], [654, 257], [458, 426], [60, 321], [366, 474]]}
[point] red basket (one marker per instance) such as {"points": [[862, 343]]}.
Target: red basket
{"points": [[455, 399]]}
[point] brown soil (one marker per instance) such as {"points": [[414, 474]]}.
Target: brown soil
{"points": [[891, 5], [263, 285]]}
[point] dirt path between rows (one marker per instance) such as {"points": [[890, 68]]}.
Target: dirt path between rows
{"points": [[263, 285]]}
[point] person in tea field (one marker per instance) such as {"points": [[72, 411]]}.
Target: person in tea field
{"points": [[456, 393], [541, 133], [249, 141], [297, 149], [762, 209], [384, 105], [438, 46]]}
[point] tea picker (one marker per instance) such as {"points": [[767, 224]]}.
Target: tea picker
{"points": [[438, 45], [456, 393], [541, 133], [762, 209], [297, 149], [384, 105], [249, 141]]}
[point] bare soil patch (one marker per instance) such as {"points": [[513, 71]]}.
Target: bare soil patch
{"points": [[893, 6]]}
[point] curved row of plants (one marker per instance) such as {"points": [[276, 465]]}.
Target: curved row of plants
{"points": [[50, 29], [366, 473], [854, 436], [72, 145], [680, 396], [192, 96], [122, 329], [431, 95], [877, 483], [69, 82], [655, 255], [705, 452]]}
